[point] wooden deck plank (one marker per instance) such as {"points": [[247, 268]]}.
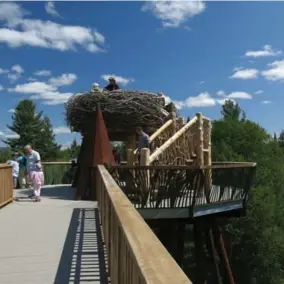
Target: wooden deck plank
{"points": [[55, 241]]}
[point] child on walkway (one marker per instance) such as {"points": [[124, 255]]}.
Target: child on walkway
{"points": [[15, 169], [37, 179]]}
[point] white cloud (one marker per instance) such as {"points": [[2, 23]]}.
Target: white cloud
{"points": [[11, 110], [119, 79], [9, 134], [206, 100], [61, 130], [42, 73], [64, 79], [50, 9], [276, 71], [258, 92], [32, 79], [239, 95], [266, 51], [13, 77], [174, 13], [202, 100], [245, 74], [266, 102], [52, 98], [201, 82], [47, 92], [17, 68], [4, 71], [33, 88], [221, 93], [1, 88], [19, 31]]}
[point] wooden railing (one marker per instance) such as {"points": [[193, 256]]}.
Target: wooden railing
{"points": [[178, 149], [135, 254], [184, 186], [6, 184]]}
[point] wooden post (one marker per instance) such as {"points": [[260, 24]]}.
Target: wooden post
{"points": [[207, 144], [173, 116], [145, 161], [131, 146], [144, 157], [130, 157], [180, 122], [199, 140]]}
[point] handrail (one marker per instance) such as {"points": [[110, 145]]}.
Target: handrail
{"points": [[223, 165], [135, 254], [6, 184], [158, 132], [57, 163], [168, 143]]}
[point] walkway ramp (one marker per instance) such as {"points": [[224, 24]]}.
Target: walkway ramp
{"points": [[55, 241]]}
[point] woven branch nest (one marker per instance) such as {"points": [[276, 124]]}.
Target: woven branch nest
{"points": [[121, 110]]}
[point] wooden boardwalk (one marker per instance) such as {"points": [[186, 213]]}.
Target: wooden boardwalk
{"points": [[55, 241]]}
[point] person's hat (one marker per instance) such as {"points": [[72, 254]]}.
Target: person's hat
{"points": [[111, 79]]}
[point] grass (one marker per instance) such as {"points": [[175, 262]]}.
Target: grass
{"points": [[58, 174]]}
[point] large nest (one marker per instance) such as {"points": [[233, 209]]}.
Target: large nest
{"points": [[121, 110]]}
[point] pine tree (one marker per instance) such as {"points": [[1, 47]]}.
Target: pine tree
{"points": [[50, 149], [27, 124], [74, 149], [33, 130], [232, 110]]}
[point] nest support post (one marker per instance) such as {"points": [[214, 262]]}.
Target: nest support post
{"points": [[211, 254]]}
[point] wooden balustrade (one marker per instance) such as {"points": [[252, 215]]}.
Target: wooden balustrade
{"points": [[135, 254], [184, 186], [176, 150], [6, 184]]}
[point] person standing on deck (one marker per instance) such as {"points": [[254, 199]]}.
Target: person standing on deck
{"points": [[34, 171], [144, 141], [112, 85], [15, 169], [22, 172]]}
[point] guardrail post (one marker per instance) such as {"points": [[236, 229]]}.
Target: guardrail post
{"points": [[199, 138]]}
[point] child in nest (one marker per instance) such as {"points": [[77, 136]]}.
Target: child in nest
{"points": [[37, 180]]}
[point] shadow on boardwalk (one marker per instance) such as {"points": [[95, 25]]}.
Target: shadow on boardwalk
{"points": [[83, 258]]}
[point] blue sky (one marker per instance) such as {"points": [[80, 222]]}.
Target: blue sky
{"points": [[198, 54]]}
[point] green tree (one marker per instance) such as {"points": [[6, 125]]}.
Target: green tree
{"points": [[258, 240], [27, 124], [50, 149], [231, 110], [32, 129], [74, 149], [281, 138]]}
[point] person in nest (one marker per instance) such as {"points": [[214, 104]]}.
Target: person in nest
{"points": [[112, 85]]}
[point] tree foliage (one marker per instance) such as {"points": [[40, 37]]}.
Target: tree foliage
{"points": [[258, 240], [32, 129]]}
